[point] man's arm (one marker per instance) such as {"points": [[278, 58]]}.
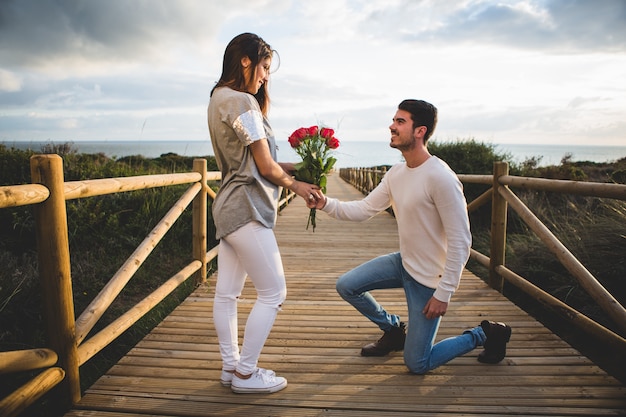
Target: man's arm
{"points": [[452, 208], [357, 210]]}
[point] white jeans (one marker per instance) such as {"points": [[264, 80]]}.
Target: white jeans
{"points": [[251, 250]]}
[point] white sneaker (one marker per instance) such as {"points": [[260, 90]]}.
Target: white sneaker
{"points": [[261, 381], [226, 378]]}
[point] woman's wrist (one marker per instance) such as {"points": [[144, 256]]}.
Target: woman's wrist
{"points": [[293, 185]]}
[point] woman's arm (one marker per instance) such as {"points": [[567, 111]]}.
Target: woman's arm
{"points": [[289, 167], [277, 174]]}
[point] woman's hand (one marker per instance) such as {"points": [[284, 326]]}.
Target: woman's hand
{"points": [[311, 193]]}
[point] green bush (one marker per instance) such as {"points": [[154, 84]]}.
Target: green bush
{"points": [[619, 176], [468, 156], [15, 166]]}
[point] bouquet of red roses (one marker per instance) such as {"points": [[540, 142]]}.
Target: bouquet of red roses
{"points": [[314, 146]]}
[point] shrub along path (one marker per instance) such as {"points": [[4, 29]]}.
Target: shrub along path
{"points": [[316, 340]]}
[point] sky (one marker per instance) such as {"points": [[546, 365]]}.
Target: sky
{"points": [[502, 72]]}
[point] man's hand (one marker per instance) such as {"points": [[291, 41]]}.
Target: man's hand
{"points": [[434, 308], [319, 203]]}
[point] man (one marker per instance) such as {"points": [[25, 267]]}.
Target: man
{"points": [[433, 226]]}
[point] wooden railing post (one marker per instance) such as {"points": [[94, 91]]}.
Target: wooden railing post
{"points": [[498, 227], [199, 221], [55, 274]]}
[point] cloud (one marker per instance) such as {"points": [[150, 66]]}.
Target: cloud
{"points": [[551, 25], [9, 81], [102, 94], [581, 101], [91, 69], [36, 33]]}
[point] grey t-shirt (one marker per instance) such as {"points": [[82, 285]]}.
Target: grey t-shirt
{"points": [[235, 121]]}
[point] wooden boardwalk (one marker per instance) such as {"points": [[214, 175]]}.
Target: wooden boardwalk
{"points": [[316, 340]]}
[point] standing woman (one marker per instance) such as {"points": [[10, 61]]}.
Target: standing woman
{"points": [[245, 211]]}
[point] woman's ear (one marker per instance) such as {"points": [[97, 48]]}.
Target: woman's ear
{"points": [[245, 62]]}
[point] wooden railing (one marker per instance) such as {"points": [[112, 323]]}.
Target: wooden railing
{"points": [[68, 347], [501, 197]]}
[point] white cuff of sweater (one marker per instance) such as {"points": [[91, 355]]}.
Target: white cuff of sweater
{"points": [[442, 295]]}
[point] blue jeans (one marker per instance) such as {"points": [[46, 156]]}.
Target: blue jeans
{"points": [[421, 354]]}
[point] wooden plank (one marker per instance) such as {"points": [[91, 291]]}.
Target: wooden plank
{"points": [[192, 405], [317, 337], [360, 385]]}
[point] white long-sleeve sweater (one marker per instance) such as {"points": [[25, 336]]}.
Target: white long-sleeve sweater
{"points": [[433, 224]]}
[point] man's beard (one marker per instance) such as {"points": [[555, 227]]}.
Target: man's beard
{"points": [[404, 146]]}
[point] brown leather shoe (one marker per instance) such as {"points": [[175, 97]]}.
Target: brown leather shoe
{"points": [[498, 335], [392, 340]]}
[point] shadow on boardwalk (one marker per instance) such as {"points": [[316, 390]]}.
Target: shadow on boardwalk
{"points": [[316, 340]]}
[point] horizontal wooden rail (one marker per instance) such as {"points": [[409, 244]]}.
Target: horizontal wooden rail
{"points": [[27, 194], [92, 188], [26, 360], [475, 179], [22, 195], [589, 189]]}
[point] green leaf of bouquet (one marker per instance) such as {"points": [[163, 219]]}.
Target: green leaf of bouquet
{"points": [[322, 183], [329, 164], [304, 175]]}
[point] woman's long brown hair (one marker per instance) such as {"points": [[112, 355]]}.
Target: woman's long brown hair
{"points": [[256, 49]]}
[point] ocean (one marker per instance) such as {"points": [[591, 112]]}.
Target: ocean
{"points": [[350, 153]]}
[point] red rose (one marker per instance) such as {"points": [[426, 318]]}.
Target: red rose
{"points": [[296, 137], [333, 142], [327, 133], [294, 142], [300, 133], [312, 131]]}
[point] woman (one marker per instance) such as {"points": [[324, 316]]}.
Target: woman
{"points": [[245, 210]]}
